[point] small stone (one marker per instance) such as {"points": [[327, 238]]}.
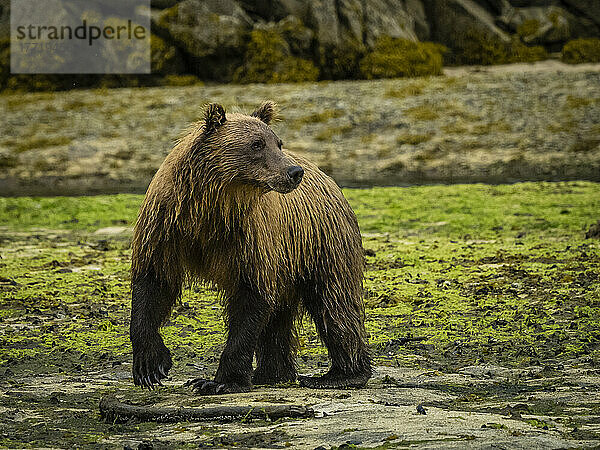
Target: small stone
{"points": [[145, 445], [593, 232]]}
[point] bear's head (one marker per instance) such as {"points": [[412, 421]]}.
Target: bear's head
{"points": [[245, 150]]}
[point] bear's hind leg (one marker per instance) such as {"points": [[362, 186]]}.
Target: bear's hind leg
{"points": [[339, 319], [246, 315], [276, 348], [152, 300]]}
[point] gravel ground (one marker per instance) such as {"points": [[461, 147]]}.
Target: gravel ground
{"points": [[498, 124]]}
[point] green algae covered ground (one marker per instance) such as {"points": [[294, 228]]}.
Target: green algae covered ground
{"points": [[460, 279]]}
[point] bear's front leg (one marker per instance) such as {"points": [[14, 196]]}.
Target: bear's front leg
{"points": [[152, 300], [246, 315]]}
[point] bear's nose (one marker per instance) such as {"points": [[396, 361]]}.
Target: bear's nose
{"points": [[295, 173]]}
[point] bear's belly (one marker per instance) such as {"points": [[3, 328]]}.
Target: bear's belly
{"points": [[214, 265], [227, 264]]}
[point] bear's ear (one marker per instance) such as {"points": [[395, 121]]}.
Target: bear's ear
{"points": [[266, 112], [214, 117]]}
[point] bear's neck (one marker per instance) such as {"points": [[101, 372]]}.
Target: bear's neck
{"points": [[207, 195], [228, 205], [215, 203]]}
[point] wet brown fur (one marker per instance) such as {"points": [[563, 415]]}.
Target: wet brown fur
{"points": [[206, 218]]}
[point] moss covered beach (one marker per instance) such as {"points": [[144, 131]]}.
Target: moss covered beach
{"points": [[482, 307]]}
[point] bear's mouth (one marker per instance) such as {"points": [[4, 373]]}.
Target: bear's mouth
{"points": [[287, 182], [282, 188]]}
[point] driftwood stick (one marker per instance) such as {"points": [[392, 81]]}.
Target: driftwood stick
{"points": [[112, 410]]}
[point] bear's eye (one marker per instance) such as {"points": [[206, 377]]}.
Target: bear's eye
{"points": [[257, 145]]}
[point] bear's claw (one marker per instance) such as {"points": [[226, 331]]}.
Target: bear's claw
{"points": [[151, 366], [203, 386]]}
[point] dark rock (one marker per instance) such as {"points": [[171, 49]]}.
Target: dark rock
{"points": [[496, 7], [7, 159], [4, 19], [270, 59], [336, 34], [298, 37], [528, 3], [213, 33], [336, 23], [273, 10], [324, 19], [539, 25], [386, 17], [417, 10], [162, 4], [586, 8], [210, 38], [457, 23], [166, 58], [594, 231], [145, 445]]}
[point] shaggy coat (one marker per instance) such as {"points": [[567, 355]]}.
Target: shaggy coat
{"points": [[227, 207]]}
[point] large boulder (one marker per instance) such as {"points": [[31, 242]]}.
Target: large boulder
{"points": [[450, 18], [586, 8], [336, 21], [162, 4], [389, 18], [496, 7], [298, 37], [346, 29], [213, 33], [467, 28], [528, 3], [4, 20], [539, 24], [416, 10], [274, 10], [166, 58], [550, 26], [324, 15], [278, 52]]}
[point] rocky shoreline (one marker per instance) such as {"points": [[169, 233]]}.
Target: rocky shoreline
{"points": [[475, 124]]}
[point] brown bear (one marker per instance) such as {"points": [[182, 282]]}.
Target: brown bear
{"points": [[273, 233]]}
